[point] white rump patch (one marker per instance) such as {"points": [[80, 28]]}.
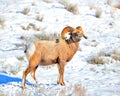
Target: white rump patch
{"points": [[67, 36], [30, 50]]}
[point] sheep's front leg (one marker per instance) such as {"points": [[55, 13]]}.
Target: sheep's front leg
{"points": [[58, 80], [61, 74]]}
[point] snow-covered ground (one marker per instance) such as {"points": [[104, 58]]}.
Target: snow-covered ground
{"points": [[95, 68]]}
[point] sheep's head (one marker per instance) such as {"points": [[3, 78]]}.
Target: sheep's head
{"points": [[71, 34]]}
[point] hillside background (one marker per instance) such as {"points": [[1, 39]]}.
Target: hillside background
{"points": [[95, 68]]}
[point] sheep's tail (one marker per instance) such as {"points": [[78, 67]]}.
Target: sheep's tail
{"points": [[27, 46]]}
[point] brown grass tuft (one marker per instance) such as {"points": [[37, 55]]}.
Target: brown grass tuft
{"points": [[31, 26], [62, 93], [26, 11], [79, 91], [47, 37], [39, 18], [2, 94], [2, 22], [47, 1], [73, 90], [98, 13], [33, 3], [117, 6], [73, 8], [109, 2], [102, 60], [70, 7]]}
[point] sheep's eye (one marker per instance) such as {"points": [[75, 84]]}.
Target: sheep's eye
{"points": [[75, 34]]}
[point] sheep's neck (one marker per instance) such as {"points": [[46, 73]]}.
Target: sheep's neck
{"points": [[74, 46], [73, 49]]}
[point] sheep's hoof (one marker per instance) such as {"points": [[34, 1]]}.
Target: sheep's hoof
{"points": [[63, 83], [58, 82], [23, 88]]}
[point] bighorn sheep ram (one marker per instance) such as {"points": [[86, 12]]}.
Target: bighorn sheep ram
{"points": [[44, 53]]}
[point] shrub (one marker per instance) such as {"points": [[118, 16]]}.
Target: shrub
{"points": [[103, 57], [33, 3], [47, 37], [116, 57], [31, 26], [47, 1], [73, 90], [2, 94], [109, 2], [102, 60], [92, 6], [39, 18], [98, 13], [2, 22], [98, 10], [70, 7], [73, 8], [26, 11], [117, 6]]}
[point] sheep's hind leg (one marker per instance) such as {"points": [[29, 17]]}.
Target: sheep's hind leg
{"points": [[33, 74], [24, 76]]}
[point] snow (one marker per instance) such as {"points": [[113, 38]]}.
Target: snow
{"points": [[95, 68]]}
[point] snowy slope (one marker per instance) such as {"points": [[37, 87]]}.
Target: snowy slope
{"points": [[95, 68]]}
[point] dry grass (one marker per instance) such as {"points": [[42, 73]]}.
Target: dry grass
{"points": [[117, 6], [73, 90], [31, 26], [102, 60], [47, 37], [98, 13], [2, 94], [109, 2], [39, 18], [20, 58], [26, 11], [33, 3], [73, 8], [103, 57], [47, 1], [116, 55], [79, 90], [2, 22], [98, 10], [92, 6]]}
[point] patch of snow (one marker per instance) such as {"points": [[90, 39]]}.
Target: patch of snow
{"points": [[81, 77]]}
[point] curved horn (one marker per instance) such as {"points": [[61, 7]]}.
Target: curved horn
{"points": [[65, 34], [81, 31]]}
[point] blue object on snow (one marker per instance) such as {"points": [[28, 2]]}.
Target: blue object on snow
{"points": [[7, 79], [4, 79]]}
